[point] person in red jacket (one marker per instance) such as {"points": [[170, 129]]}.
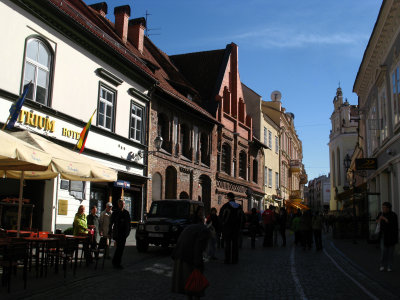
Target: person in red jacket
{"points": [[268, 218]]}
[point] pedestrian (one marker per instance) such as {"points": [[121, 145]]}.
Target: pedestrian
{"points": [[296, 227], [214, 227], [305, 227], [188, 254], [254, 224], [231, 215], [104, 225], [389, 235], [282, 225], [317, 225], [93, 223], [80, 226], [276, 227], [120, 227], [268, 218]]}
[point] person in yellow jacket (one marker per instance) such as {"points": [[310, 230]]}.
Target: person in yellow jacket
{"points": [[80, 223]]}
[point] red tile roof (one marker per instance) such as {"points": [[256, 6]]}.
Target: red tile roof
{"points": [[165, 73]]}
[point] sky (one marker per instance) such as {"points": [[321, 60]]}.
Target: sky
{"points": [[304, 49]]}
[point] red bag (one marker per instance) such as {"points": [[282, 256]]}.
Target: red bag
{"points": [[196, 282]]}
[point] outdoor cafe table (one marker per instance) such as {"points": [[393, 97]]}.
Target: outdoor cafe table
{"points": [[22, 233], [40, 244]]}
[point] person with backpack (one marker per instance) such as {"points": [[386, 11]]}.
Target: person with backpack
{"points": [[231, 218], [268, 218]]}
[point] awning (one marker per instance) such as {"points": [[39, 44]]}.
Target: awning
{"points": [[296, 204], [69, 164]]}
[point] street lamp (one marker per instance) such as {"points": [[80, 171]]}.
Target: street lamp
{"points": [[347, 163], [141, 153]]}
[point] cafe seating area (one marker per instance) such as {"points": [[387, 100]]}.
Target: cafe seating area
{"points": [[37, 255]]}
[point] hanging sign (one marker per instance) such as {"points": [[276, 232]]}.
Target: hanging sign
{"points": [[366, 164], [122, 184]]}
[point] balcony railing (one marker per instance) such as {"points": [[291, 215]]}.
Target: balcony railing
{"points": [[295, 165]]}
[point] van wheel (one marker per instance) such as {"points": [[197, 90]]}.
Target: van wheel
{"points": [[142, 246]]}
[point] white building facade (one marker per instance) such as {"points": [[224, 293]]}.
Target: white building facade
{"points": [[76, 68]]}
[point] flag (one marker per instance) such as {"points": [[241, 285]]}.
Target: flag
{"points": [[84, 134], [16, 107]]}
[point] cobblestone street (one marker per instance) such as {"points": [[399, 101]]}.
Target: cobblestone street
{"points": [[263, 273]]}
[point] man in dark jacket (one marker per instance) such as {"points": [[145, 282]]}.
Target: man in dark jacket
{"points": [[231, 218], [389, 235], [120, 226]]}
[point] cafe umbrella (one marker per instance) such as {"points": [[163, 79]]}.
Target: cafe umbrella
{"points": [[68, 164], [19, 156]]}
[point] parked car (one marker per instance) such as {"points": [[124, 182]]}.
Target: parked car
{"points": [[164, 222]]}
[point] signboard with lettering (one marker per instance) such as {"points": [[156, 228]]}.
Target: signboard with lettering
{"points": [[366, 164], [122, 184], [63, 207]]}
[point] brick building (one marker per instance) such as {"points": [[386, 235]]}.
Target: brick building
{"points": [[239, 155]]}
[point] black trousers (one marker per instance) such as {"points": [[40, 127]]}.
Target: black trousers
{"points": [[283, 235], [269, 233], [119, 250], [231, 241], [318, 239]]}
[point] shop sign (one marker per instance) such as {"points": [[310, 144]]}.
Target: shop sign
{"points": [[366, 164], [231, 186], [63, 207], [122, 184], [70, 134], [37, 121]]}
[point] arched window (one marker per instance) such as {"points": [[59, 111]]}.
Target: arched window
{"points": [[255, 170], [242, 164], [226, 159], [185, 141], [156, 186], [163, 130], [38, 61]]}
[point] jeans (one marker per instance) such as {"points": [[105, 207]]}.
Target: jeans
{"points": [[387, 253]]}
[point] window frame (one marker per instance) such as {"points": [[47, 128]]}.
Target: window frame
{"points": [[50, 69], [143, 120], [243, 165], [226, 150], [114, 106]]}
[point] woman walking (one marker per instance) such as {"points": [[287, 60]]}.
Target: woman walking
{"points": [[188, 254]]}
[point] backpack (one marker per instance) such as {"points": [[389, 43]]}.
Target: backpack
{"points": [[232, 216]]}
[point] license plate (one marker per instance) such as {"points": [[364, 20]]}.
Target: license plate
{"points": [[155, 234]]}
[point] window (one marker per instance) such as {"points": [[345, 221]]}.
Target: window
{"points": [[276, 144], [185, 141], [175, 134], [265, 175], [163, 131], [204, 148], [226, 159], [137, 124], [396, 94], [383, 113], [269, 177], [242, 165], [276, 180], [38, 60], [255, 171], [196, 142], [269, 139], [265, 136], [77, 189], [105, 116]]}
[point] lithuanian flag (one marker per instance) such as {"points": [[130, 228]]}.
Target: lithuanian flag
{"points": [[84, 134]]}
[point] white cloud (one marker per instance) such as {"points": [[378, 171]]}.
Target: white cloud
{"points": [[289, 38]]}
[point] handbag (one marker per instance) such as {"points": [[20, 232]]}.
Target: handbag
{"points": [[196, 282], [378, 228]]}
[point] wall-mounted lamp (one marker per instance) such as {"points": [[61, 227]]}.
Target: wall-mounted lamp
{"points": [[141, 153]]}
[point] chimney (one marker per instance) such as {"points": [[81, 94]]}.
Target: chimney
{"points": [[122, 14], [136, 32], [100, 7]]}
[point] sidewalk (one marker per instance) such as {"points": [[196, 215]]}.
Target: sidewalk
{"points": [[365, 257]]}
